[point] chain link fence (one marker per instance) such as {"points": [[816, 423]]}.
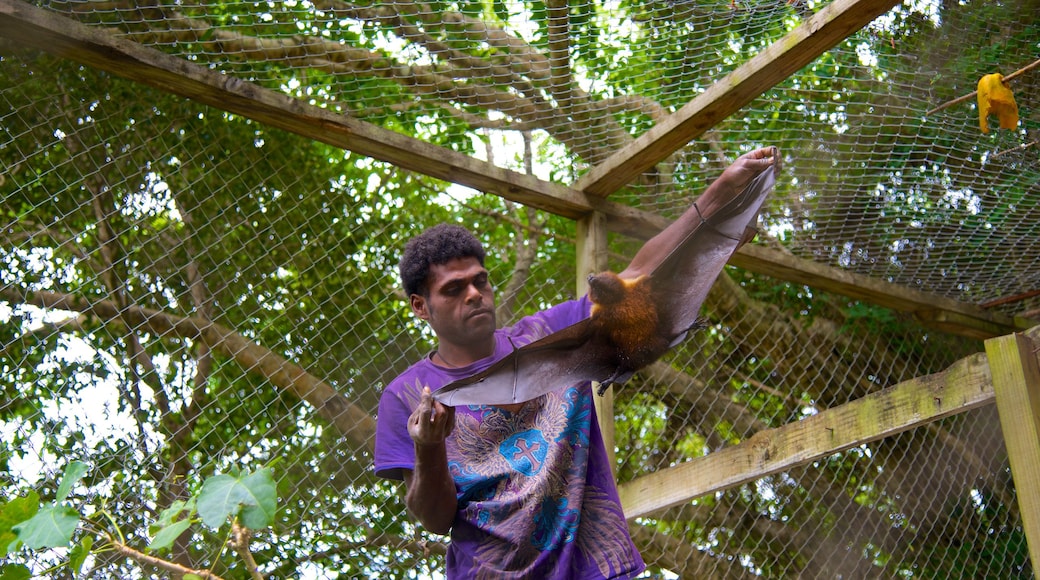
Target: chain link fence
{"points": [[186, 292]]}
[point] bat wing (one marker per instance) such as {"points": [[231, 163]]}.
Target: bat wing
{"points": [[680, 283], [566, 357]]}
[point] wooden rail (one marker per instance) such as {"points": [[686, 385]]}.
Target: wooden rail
{"points": [[818, 34], [963, 386]]}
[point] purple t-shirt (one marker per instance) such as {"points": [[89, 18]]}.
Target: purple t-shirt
{"points": [[536, 495]]}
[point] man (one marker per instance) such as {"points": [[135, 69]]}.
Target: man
{"points": [[525, 490]]}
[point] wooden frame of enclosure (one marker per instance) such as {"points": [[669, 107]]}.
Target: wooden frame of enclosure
{"points": [[1007, 373]]}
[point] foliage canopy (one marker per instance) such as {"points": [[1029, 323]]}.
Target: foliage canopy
{"points": [[188, 296]]}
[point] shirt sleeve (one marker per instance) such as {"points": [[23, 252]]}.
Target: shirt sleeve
{"points": [[394, 448], [553, 319]]}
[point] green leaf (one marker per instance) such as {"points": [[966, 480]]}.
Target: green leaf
{"points": [[79, 554], [15, 572], [51, 527], [262, 487], [169, 515], [12, 513], [190, 576], [224, 495], [220, 497], [9, 542], [166, 535], [74, 471]]}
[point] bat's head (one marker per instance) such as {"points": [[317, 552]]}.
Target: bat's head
{"points": [[607, 288]]}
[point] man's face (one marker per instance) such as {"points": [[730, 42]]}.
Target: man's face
{"points": [[459, 304]]}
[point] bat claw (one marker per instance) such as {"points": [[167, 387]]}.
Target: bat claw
{"points": [[610, 381]]}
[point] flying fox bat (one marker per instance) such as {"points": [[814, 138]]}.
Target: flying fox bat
{"points": [[634, 321]]}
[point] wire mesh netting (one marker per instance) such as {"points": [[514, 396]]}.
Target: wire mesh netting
{"points": [[186, 292]]}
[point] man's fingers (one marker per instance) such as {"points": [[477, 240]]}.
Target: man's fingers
{"points": [[430, 416], [428, 404], [764, 157], [424, 408]]}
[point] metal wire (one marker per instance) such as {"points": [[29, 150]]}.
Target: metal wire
{"points": [[182, 288]]}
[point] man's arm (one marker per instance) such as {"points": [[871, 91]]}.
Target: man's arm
{"points": [[734, 179], [430, 490]]}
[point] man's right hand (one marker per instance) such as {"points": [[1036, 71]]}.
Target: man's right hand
{"points": [[430, 490], [431, 422]]}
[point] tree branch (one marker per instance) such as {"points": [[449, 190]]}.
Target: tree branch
{"points": [[240, 543], [111, 252], [457, 80], [973, 94], [330, 405], [145, 559], [525, 247]]}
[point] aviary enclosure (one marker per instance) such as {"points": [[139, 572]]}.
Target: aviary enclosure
{"points": [[203, 204]]}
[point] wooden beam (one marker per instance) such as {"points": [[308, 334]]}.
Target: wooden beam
{"points": [[964, 385], [28, 26], [932, 310], [929, 309], [33, 27], [821, 32], [1016, 381]]}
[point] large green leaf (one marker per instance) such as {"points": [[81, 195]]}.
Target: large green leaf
{"points": [[13, 513], [225, 495], [78, 554], [74, 471], [262, 487], [15, 572], [168, 534], [51, 527]]}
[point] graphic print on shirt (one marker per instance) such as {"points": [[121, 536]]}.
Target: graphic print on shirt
{"points": [[604, 535], [522, 480], [525, 451]]}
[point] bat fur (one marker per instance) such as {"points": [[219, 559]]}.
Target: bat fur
{"points": [[625, 316]]}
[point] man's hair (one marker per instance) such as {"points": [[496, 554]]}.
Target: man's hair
{"points": [[436, 245]]}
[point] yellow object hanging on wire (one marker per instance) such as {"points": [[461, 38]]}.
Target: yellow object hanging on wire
{"points": [[996, 99]]}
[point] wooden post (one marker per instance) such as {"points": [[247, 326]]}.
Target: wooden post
{"points": [[591, 255], [1016, 383]]}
